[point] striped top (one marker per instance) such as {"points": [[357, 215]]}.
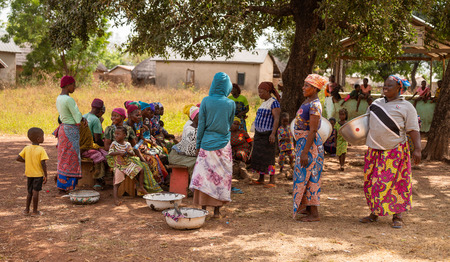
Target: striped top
{"points": [[264, 118], [389, 122]]}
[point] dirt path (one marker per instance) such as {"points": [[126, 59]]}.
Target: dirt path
{"points": [[258, 225]]}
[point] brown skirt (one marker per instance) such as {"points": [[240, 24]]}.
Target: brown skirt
{"points": [[203, 199]]}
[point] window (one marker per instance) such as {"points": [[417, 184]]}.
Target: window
{"points": [[241, 79]]}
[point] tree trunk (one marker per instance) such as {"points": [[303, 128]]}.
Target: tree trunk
{"points": [[413, 76], [301, 58], [438, 136]]}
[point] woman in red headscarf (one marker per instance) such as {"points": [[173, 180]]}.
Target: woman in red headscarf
{"points": [[309, 151], [68, 134], [266, 125], [117, 117]]}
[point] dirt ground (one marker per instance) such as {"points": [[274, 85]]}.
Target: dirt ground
{"points": [[258, 225]]}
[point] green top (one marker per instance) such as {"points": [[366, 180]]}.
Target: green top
{"points": [[109, 133], [94, 123], [241, 103], [68, 110]]}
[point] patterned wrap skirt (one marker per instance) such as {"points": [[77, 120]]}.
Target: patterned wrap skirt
{"points": [[69, 159], [387, 180], [307, 180], [213, 172]]}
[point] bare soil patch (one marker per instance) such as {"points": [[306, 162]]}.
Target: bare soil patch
{"points": [[258, 225]]}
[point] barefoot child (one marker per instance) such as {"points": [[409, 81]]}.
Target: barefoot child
{"points": [[34, 157], [285, 142], [341, 144], [121, 151]]}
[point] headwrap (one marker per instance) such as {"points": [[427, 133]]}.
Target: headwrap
{"points": [[237, 119], [193, 112], [66, 80], [268, 86], [187, 109], [316, 80], [120, 111], [97, 103], [157, 104], [146, 105], [131, 108], [127, 103], [404, 84]]}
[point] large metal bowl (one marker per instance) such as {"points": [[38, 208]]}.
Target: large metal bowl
{"points": [[84, 197], [161, 201], [324, 131], [355, 131], [191, 218]]}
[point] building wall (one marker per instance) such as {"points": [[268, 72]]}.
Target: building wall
{"points": [[120, 71], [173, 74], [266, 70], [8, 75]]}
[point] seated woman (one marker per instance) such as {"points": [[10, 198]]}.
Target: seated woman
{"points": [[117, 117], [241, 145], [151, 156], [424, 93], [185, 153], [91, 150]]}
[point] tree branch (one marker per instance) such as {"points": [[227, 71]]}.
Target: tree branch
{"points": [[284, 10]]}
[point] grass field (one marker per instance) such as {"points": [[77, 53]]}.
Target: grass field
{"points": [[34, 106]]}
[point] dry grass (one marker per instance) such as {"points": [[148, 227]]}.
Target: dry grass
{"points": [[34, 105]]}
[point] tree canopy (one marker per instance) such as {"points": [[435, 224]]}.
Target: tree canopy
{"points": [[55, 47]]}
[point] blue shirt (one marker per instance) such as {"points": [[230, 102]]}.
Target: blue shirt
{"points": [[264, 118], [216, 115]]}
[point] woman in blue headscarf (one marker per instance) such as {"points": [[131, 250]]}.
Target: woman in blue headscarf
{"points": [[387, 163], [211, 179]]}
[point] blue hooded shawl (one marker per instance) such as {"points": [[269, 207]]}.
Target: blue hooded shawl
{"points": [[216, 115]]}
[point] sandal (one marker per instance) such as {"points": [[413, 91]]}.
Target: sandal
{"points": [[397, 222], [369, 219], [270, 185], [256, 182], [39, 213]]}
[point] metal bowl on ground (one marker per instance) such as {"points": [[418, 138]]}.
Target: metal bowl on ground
{"points": [[191, 218], [324, 131], [161, 201], [84, 197], [355, 131]]}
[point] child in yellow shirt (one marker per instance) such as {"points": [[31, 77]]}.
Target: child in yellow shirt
{"points": [[34, 157]]}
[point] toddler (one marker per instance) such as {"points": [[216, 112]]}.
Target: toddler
{"points": [[241, 145], [123, 165], [34, 157], [341, 144], [285, 142]]}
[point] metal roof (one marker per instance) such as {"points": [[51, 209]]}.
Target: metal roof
{"points": [[126, 67], [9, 47], [256, 56]]}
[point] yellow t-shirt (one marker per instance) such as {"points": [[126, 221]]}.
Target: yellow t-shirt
{"points": [[33, 155]]}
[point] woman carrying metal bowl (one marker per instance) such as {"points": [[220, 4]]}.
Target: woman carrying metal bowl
{"points": [[387, 163], [309, 151]]}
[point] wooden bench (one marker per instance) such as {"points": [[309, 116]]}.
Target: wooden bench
{"points": [[87, 173], [179, 179]]}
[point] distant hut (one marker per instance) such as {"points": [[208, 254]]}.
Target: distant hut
{"points": [[100, 70], [144, 73], [8, 52], [21, 58], [119, 74]]}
